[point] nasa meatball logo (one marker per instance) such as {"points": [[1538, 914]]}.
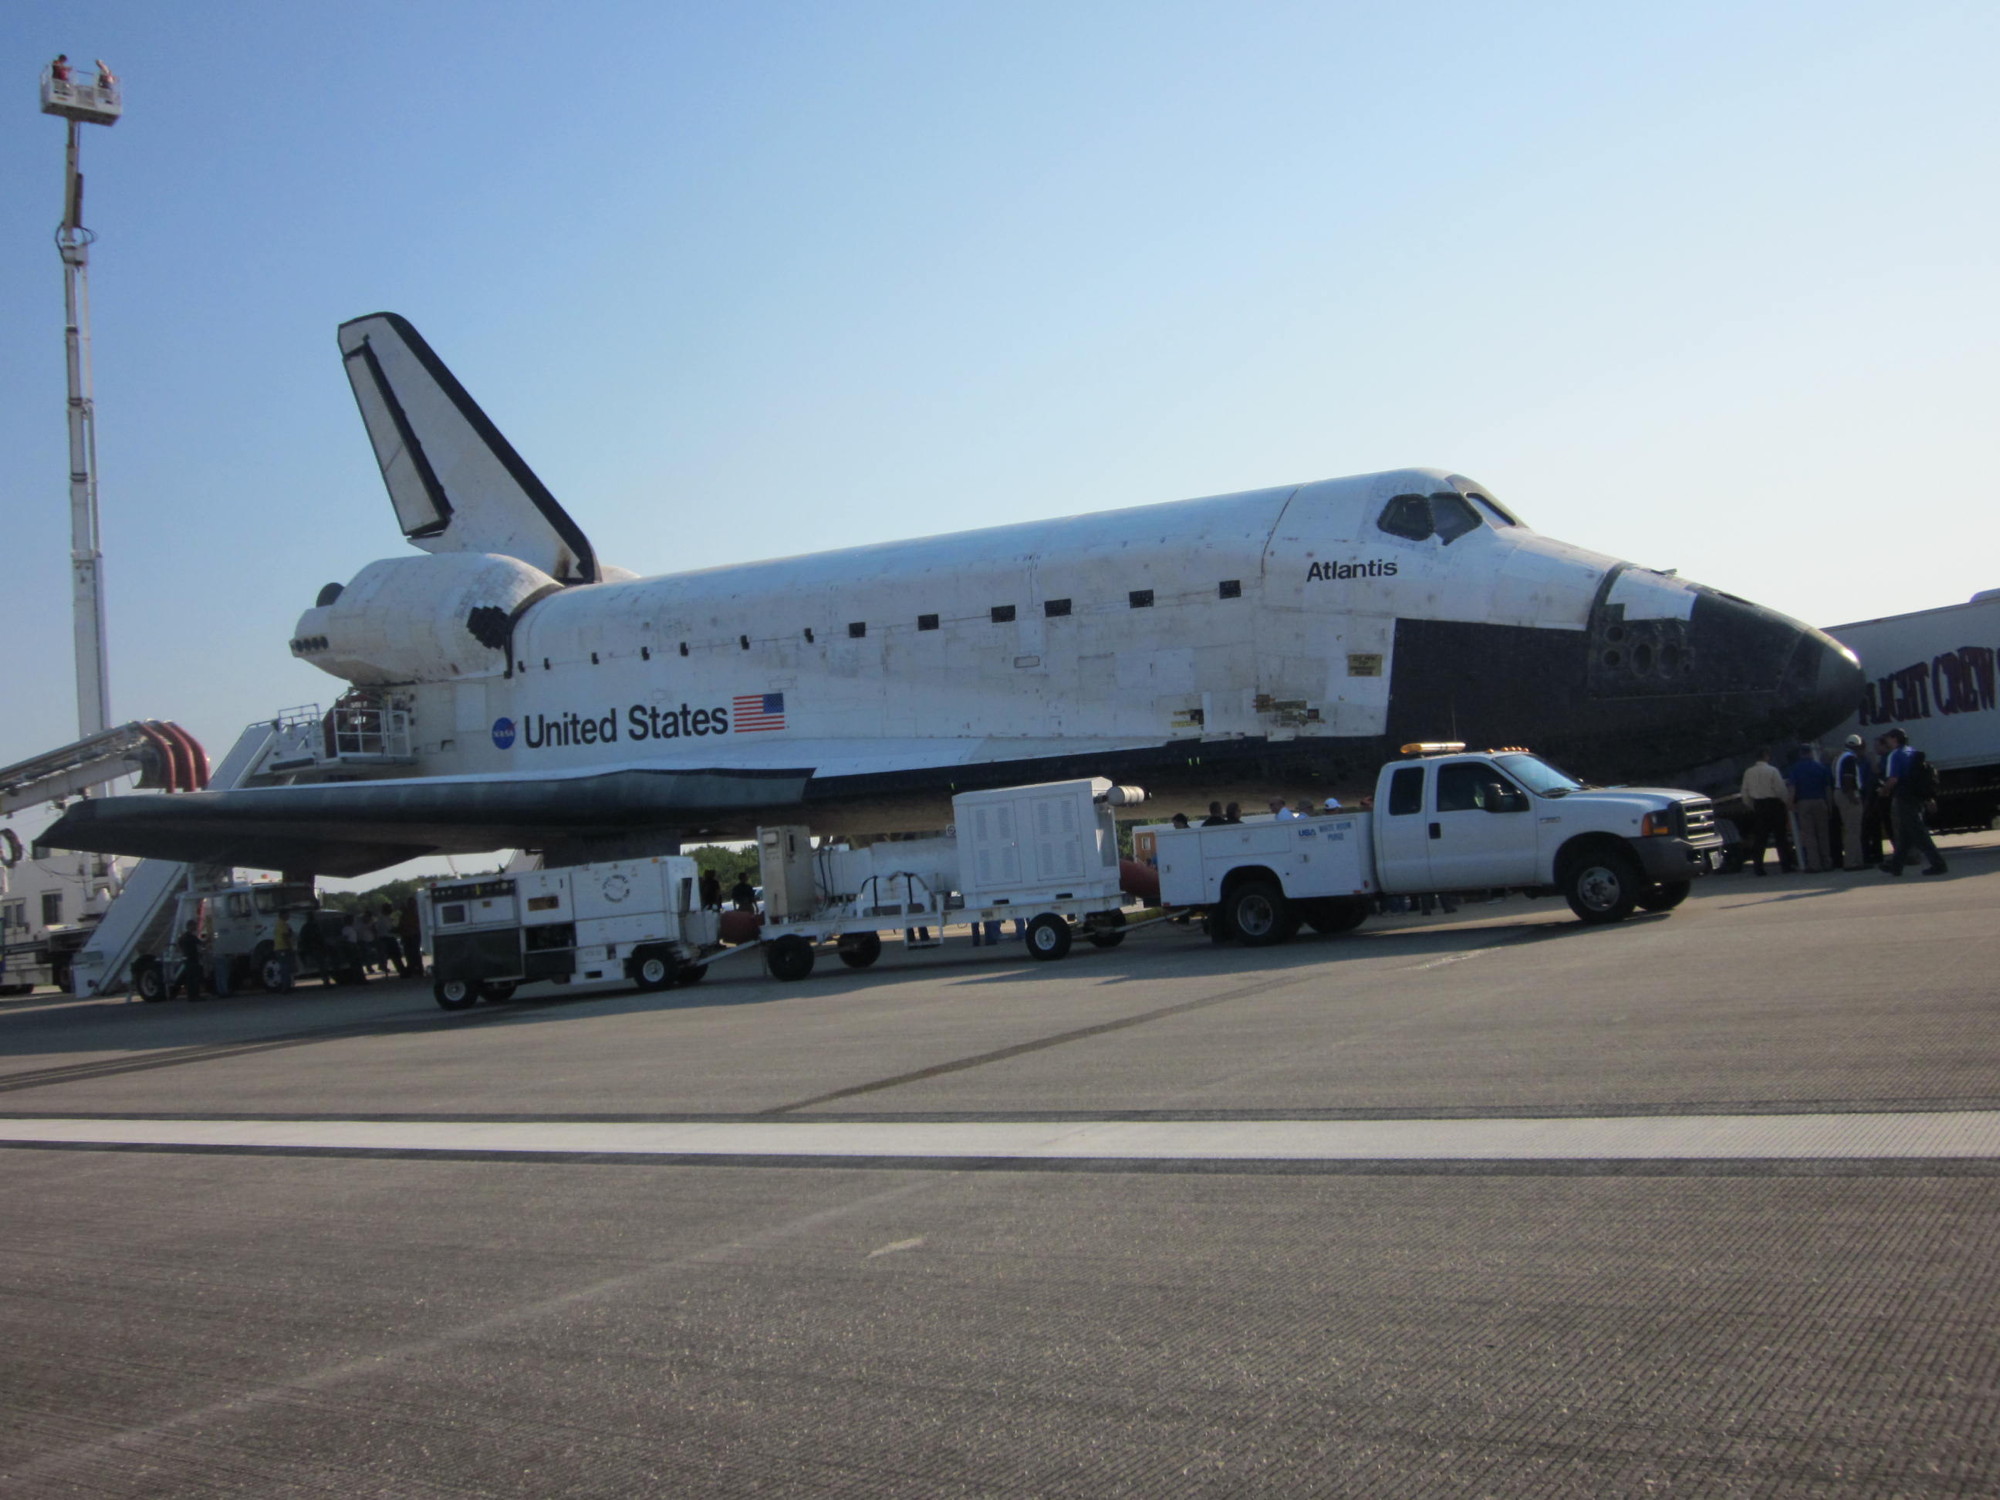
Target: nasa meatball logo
{"points": [[503, 733]]}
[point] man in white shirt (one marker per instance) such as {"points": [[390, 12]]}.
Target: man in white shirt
{"points": [[1770, 803]]}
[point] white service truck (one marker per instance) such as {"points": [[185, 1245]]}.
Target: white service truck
{"points": [[239, 920], [636, 920], [1444, 820], [1044, 855]]}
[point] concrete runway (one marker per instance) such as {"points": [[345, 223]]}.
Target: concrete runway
{"points": [[1701, 1204]]}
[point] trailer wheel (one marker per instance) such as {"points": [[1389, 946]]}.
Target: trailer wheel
{"points": [[1048, 936], [1665, 895], [860, 949], [496, 991], [1333, 914], [789, 957], [653, 969], [456, 994], [691, 974], [1107, 929], [1602, 884], [149, 979], [1259, 914]]}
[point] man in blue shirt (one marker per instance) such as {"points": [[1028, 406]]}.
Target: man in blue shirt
{"points": [[1812, 809], [1907, 813]]}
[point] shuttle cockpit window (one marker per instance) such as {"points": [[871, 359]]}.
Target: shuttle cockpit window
{"points": [[1474, 786], [1406, 791], [1444, 516]]}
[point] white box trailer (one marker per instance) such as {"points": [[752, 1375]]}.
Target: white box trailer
{"points": [[1045, 855], [625, 920]]}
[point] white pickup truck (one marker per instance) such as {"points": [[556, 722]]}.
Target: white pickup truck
{"points": [[1444, 820]]}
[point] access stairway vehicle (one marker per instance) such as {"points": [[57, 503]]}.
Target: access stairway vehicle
{"points": [[636, 920], [1045, 855], [1442, 821]]}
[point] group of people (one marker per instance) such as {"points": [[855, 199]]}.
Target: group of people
{"points": [[59, 70], [1848, 806], [366, 942]]}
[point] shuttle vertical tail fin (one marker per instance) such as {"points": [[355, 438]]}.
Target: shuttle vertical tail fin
{"points": [[456, 483]]}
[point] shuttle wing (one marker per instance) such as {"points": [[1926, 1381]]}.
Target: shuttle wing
{"points": [[456, 483]]}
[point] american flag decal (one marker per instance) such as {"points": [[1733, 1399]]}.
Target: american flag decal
{"points": [[755, 711]]}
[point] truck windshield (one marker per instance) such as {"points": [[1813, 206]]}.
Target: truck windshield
{"points": [[1541, 778]]}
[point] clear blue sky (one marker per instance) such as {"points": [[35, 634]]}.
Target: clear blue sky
{"points": [[1708, 286]]}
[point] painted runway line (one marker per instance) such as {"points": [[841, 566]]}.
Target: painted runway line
{"points": [[1914, 1136]]}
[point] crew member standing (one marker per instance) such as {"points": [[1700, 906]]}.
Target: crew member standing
{"points": [[1903, 777], [1768, 797], [1853, 784], [1812, 785]]}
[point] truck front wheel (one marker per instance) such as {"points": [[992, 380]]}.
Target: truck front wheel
{"points": [[149, 979], [1107, 929], [653, 969], [456, 994], [1048, 936], [860, 949], [1258, 913], [1602, 885], [789, 957], [1665, 895]]}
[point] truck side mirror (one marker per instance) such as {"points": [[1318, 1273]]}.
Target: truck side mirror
{"points": [[1500, 799]]}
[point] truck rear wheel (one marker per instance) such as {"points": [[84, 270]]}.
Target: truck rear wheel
{"points": [[860, 949], [1107, 929], [691, 974], [653, 969], [1333, 914], [789, 957], [1048, 936], [1258, 913], [456, 994], [496, 991], [1665, 895], [1602, 885]]}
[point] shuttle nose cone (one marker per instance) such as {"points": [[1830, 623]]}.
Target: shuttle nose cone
{"points": [[1788, 680], [1730, 677]]}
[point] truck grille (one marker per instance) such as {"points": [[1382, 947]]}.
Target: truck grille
{"points": [[1697, 819]]}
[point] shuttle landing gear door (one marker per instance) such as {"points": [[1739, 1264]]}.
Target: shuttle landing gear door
{"points": [[1484, 828], [1403, 832]]}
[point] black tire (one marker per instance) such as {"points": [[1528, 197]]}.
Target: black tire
{"points": [[1333, 914], [691, 974], [455, 994], [1602, 885], [860, 949], [497, 991], [654, 969], [1048, 937], [788, 957], [1107, 929], [1259, 914], [1665, 895], [149, 979], [264, 967]]}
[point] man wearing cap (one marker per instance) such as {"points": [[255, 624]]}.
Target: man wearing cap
{"points": [[1854, 781]]}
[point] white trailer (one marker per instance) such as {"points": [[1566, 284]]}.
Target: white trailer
{"points": [[626, 920], [1045, 855], [1932, 674]]}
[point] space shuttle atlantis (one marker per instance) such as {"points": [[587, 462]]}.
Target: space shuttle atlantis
{"points": [[1279, 641]]}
